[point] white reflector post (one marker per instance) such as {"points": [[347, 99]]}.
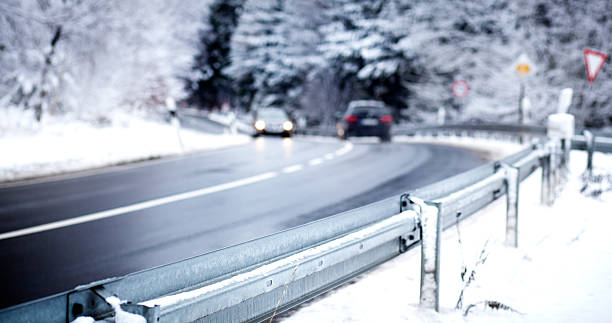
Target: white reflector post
{"points": [[560, 126], [565, 100]]}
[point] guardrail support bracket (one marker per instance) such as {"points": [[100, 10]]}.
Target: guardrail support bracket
{"points": [[413, 237], [93, 302]]}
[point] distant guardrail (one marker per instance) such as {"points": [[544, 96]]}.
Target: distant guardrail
{"points": [[586, 142], [448, 129], [251, 281], [472, 128]]}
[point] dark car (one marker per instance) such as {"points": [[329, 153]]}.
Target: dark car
{"points": [[272, 120], [366, 118]]}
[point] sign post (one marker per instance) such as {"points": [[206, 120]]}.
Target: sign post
{"points": [[460, 89], [523, 67], [171, 105]]}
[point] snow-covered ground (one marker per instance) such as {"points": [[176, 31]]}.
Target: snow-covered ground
{"points": [[59, 146], [561, 272]]}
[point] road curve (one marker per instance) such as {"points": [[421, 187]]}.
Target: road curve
{"points": [[56, 235]]}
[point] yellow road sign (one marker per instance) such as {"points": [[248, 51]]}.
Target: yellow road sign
{"points": [[523, 66], [523, 69]]}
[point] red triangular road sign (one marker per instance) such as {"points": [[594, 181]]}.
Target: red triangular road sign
{"points": [[594, 62]]}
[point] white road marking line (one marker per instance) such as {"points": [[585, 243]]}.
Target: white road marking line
{"points": [[344, 150], [168, 199], [315, 161], [137, 206], [292, 169]]}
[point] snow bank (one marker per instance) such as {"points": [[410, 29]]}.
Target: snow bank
{"points": [[561, 272], [59, 146], [490, 149]]}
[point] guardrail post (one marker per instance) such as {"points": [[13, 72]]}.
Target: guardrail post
{"points": [[560, 128], [546, 189], [566, 144], [590, 144], [555, 170], [431, 231], [512, 194]]}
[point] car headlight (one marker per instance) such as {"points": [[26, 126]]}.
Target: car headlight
{"points": [[260, 125], [287, 125]]}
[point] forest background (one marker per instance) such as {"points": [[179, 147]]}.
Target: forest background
{"points": [[87, 59]]}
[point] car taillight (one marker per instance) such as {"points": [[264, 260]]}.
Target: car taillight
{"points": [[352, 119], [386, 119]]}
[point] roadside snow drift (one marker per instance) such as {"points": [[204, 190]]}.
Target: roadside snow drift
{"points": [[60, 146]]}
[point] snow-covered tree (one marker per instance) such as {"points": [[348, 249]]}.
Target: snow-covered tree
{"points": [[87, 57], [209, 86], [38, 38], [361, 46], [272, 51], [479, 41]]}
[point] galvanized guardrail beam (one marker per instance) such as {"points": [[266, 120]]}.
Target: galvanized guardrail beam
{"points": [[468, 129], [286, 280], [601, 144]]}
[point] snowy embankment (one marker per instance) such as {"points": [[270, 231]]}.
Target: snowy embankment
{"points": [[488, 149], [60, 146], [561, 272]]}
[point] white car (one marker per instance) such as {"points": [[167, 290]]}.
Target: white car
{"points": [[272, 121]]}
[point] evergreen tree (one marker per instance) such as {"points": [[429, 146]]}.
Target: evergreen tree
{"points": [[209, 86], [360, 45], [272, 52]]}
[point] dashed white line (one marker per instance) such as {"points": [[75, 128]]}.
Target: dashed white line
{"points": [[315, 162], [168, 199], [344, 150], [292, 169], [137, 206]]}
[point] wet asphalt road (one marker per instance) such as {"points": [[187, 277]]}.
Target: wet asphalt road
{"points": [[168, 210]]}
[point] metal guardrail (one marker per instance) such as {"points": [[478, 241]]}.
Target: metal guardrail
{"points": [[199, 120], [600, 143], [472, 128], [251, 281], [449, 129]]}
